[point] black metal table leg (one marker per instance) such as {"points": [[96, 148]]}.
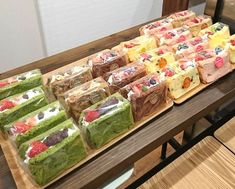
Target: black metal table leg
{"points": [[163, 152]]}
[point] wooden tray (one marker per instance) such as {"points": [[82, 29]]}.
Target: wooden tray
{"points": [[23, 179]]}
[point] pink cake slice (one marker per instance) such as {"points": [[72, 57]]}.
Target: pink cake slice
{"points": [[180, 17]]}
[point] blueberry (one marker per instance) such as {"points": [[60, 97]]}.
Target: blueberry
{"points": [[52, 109], [152, 82], [40, 115], [25, 96], [22, 77]]}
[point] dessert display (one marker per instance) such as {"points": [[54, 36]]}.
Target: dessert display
{"points": [[105, 61], [232, 49], [156, 27], [135, 46], [35, 123], [196, 44], [62, 82], [171, 37], [212, 64], [145, 95], [198, 23], [182, 76], [217, 34], [179, 18], [124, 75], [20, 83], [85, 95], [51, 153], [106, 120], [156, 59], [14, 107]]}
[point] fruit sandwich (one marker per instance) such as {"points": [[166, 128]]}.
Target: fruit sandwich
{"points": [[218, 34], [145, 95], [35, 123], [14, 107], [232, 49], [124, 75], [20, 83], [85, 95], [105, 61], [53, 152], [179, 18], [196, 44], [63, 81], [106, 120], [212, 64]]}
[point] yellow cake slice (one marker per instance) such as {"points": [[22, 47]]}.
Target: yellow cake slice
{"points": [[232, 49], [180, 17]]}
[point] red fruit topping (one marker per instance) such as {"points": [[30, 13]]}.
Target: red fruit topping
{"points": [[3, 84], [163, 29], [195, 20], [168, 72], [160, 51], [183, 66], [219, 62], [139, 86], [21, 127], [210, 33], [199, 57], [37, 148], [31, 121], [181, 39], [168, 35], [136, 90], [145, 56], [6, 104], [232, 42], [128, 46], [199, 48], [12, 80], [91, 115], [186, 83]]}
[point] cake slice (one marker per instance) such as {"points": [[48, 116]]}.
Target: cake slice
{"points": [[218, 34], [212, 64], [14, 107], [85, 95], [20, 83], [179, 18], [198, 23], [232, 49], [105, 61], [196, 44], [135, 46], [106, 120], [63, 81], [124, 75], [145, 95], [35, 123], [53, 152]]}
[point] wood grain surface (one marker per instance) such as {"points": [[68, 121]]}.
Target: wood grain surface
{"points": [[226, 134], [207, 165]]}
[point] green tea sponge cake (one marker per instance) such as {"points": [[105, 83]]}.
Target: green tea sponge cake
{"points": [[35, 123], [106, 120], [20, 83], [53, 152], [17, 106]]}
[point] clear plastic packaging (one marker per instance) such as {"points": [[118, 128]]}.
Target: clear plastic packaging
{"points": [[105, 61], [14, 107], [85, 95], [35, 123], [106, 120], [232, 49], [63, 81], [53, 152], [180, 17], [145, 95], [212, 64], [20, 83], [124, 75]]}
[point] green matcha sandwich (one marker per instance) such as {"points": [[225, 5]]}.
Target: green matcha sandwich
{"points": [[106, 120], [53, 152], [17, 106], [20, 83], [35, 123]]}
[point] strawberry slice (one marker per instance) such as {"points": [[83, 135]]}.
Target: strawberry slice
{"points": [[168, 35], [163, 29], [37, 148], [232, 42], [199, 48], [21, 127], [195, 20], [219, 62], [199, 57], [168, 72], [6, 104], [12, 80], [31, 121], [131, 45], [3, 84], [181, 39], [136, 90], [145, 56], [160, 51], [91, 115]]}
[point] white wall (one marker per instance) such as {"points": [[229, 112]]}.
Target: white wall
{"points": [[20, 39]]}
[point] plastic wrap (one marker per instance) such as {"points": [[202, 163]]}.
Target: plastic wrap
{"points": [[232, 49], [196, 44], [135, 46], [212, 64], [198, 23], [20, 83], [156, 27], [14, 107], [182, 76], [106, 120], [63, 81], [85, 95], [145, 95], [35, 123], [105, 61], [180, 17], [124, 75], [174, 36], [218, 34], [53, 152]]}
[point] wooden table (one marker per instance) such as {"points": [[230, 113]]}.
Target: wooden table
{"points": [[144, 140]]}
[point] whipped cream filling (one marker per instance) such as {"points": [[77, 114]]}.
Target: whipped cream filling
{"points": [[30, 94]]}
